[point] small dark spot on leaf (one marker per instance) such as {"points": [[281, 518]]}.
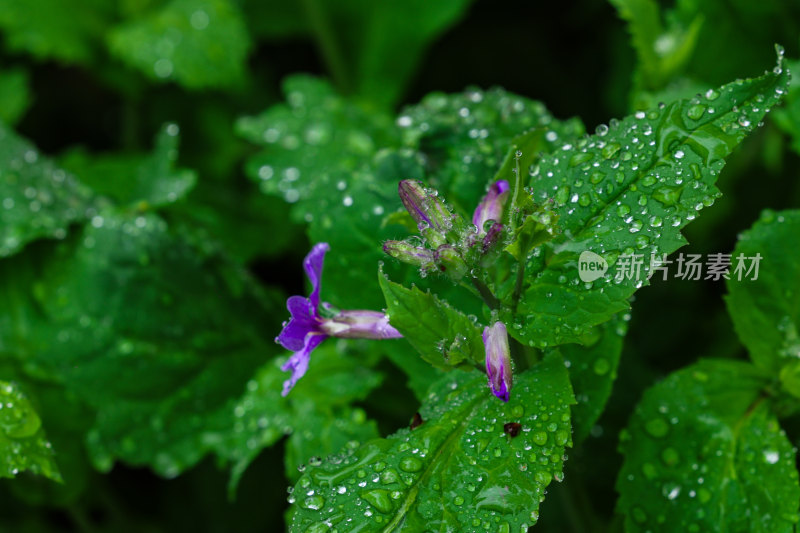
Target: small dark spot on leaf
{"points": [[512, 429], [416, 421]]}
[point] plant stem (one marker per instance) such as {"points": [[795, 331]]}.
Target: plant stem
{"points": [[328, 45], [489, 298], [518, 286], [513, 207]]}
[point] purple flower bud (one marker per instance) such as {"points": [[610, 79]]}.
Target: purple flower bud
{"points": [[412, 194], [424, 206], [498, 360], [492, 205], [450, 262], [408, 253]]}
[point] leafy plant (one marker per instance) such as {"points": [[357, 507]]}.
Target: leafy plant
{"points": [[474, 328]]}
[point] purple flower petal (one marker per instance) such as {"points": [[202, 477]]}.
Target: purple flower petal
{"points": [[491, 207], [498, 360], [298, 362], [313, 265], [358, 324], [303, 322], [412, 194]]}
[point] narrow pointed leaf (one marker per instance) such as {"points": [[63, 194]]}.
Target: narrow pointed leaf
{"points": [[629, 190], [443, 335], [23, 445]]}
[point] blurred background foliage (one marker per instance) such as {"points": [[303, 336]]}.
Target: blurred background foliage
{"points": [[147, 249]]}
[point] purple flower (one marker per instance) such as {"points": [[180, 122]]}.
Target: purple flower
{"points": [[498, 360], [307, 328], [492, 205]]}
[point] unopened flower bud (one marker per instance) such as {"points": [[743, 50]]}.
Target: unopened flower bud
{"points": [[424, 206], [492, 238], [408, 253], [492, 205], [450, 262], [498, 360]]}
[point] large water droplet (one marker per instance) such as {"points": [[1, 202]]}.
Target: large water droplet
{"points": [[657, 427], [410, 464], [379, 498]]}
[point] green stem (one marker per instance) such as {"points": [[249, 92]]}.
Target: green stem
{"points": [[328, 45], [518, 286], [513, 208], [489, 298]]}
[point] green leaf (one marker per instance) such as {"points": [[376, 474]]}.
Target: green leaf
{"points": [[15, 95], [136, 180], [735, 28], [466, 137], [67, 420], [172, 331], [662, 52], [316, 415], [39, 199], [235, 214], [629, 190], [592, 371], [321, 154], [790, 378], [456, 471], [66, 31], [443, 335], [353, 227], [23, 445], [339, 165], [316, 133], [788, 116], [703, 453], [766, 310], [382, 69], [358, 39], [197, 43], [679, 87]]}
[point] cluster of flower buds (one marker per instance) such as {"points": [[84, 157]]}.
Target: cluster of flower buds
{"points": [[451, 245]]}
